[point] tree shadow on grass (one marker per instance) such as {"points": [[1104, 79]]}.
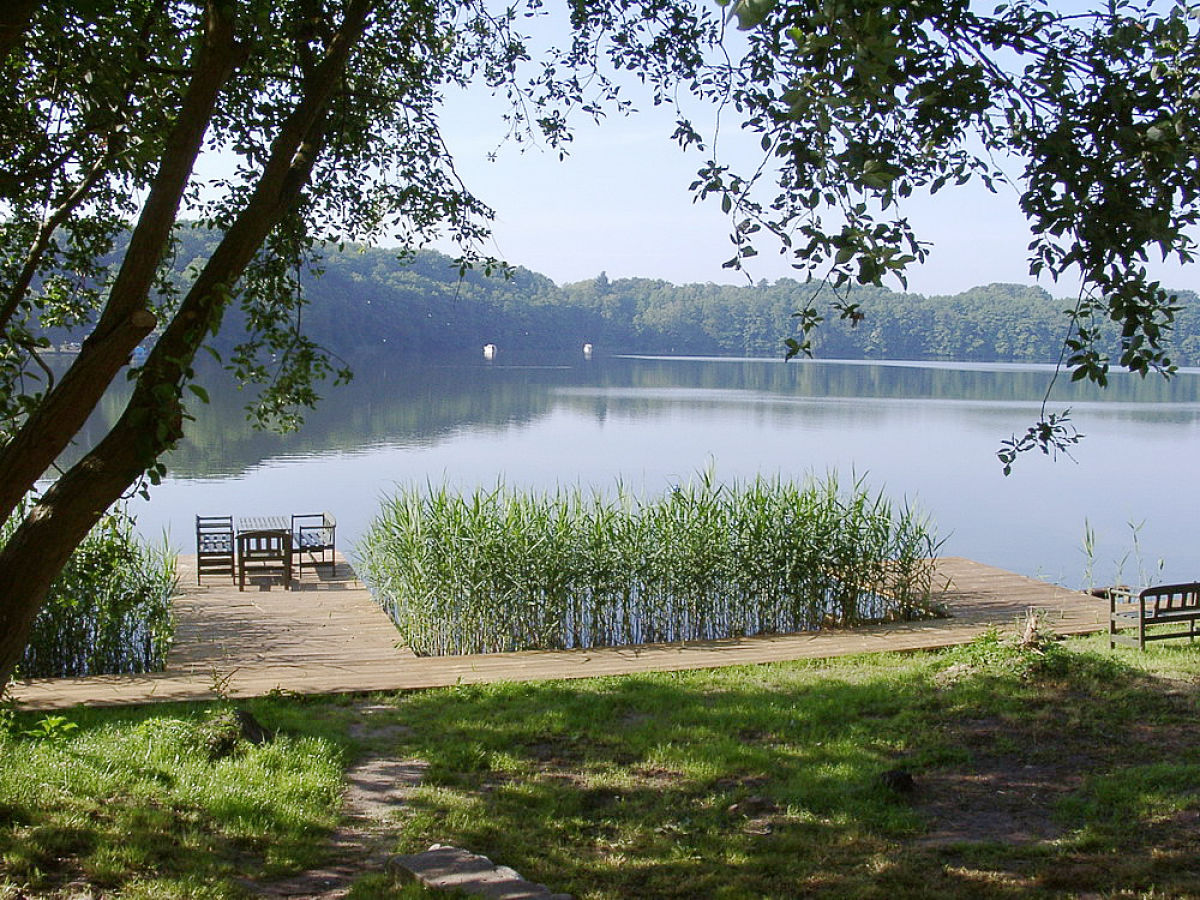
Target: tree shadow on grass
{"points": [[771, 781]]}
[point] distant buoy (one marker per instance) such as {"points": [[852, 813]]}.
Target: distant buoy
{"points": [[587, 351], [489, 351]]}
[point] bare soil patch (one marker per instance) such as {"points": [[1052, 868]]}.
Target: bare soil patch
{"points": [[1010, 796], [997, 800]]}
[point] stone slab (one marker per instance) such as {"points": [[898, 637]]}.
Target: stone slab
{"points": [[451, 868]]}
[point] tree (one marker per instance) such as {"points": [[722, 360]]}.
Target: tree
{"points": [[329, 109], [861, 103]]}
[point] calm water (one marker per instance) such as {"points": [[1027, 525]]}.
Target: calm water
{"points": [[925, 433]]}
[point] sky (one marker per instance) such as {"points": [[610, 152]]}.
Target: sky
{"points": [[620, 204]]}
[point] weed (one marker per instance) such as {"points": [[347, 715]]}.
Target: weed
{"points": [[51, 728]]}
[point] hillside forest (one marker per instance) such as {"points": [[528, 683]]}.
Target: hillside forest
{"points": [[363, 299]]}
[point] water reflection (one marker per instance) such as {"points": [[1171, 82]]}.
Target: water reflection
{"points": [[924, 432], [419, 403]]}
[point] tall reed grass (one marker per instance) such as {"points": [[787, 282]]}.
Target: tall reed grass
{"points": [[109, 610], [501, 570]]}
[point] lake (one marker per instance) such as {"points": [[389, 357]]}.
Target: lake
{"points": [[925, 433]]}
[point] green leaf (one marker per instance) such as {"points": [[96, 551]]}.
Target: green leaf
{"points": [[751, 13]]}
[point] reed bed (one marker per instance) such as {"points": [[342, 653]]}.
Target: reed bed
{"points": [[499, 570], [109, 610]]}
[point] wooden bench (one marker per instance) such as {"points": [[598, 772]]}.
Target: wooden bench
{"points": [[1162, 605]]}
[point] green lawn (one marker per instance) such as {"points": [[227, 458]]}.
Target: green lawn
{"points": [[1065, 770]]}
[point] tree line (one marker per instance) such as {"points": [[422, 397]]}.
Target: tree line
{"points": [[366, 299]]}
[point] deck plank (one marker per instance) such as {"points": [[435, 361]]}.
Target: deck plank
{"points": [[329, 636]]}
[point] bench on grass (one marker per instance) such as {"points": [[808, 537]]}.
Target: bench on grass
{"points": [[1165, 605]]}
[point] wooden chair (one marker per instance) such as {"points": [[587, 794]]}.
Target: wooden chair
{"points": [[313, 540], [214, 546], [264, 553]]}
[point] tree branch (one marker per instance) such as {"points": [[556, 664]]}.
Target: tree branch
{"points": [[284, 176], [125, 320], [49, 225], [76, 197]]}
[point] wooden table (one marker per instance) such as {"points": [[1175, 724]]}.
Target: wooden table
{"points": [[256, 542], [265, 523]]}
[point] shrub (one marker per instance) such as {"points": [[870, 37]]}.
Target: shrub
{"points": [[109, 610]]}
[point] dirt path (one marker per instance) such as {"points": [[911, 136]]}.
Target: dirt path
{"points": [[376, 787]]}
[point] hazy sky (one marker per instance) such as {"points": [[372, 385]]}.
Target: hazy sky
{"points": [[620, 204]]}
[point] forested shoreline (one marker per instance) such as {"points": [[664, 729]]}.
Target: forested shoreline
{"points": [[362, 300], [366, 298]]}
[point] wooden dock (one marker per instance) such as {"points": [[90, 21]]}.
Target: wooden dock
{"points": [[328, 636]]}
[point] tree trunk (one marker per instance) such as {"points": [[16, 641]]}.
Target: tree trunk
{"points": [[152, 421], [62, 517], [125, 320], [37, 551]]}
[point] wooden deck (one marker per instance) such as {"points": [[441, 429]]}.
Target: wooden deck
{"points": [[328, 636]]}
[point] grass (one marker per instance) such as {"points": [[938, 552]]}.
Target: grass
{"points": [[510, 570], [152, 802], [1059, 770], [1037, 773]]}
